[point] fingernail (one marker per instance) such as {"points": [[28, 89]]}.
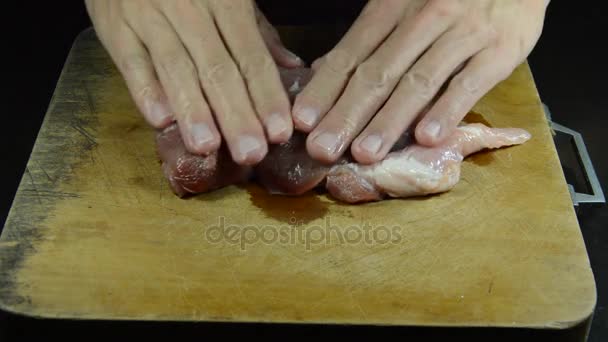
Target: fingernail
{"points": [[276, 125], [201, 134], [372, 144], [158, 112], [292, 56], [432, 129], [247, 145], [328, 142], [308, 116]]}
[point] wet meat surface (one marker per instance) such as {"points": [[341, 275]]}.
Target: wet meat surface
{"points": [[408, 170]]}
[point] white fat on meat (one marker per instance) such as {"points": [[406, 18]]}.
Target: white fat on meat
{"points": [[418, 170], [295, 87]]}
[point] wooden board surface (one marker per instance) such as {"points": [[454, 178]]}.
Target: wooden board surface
{"points": [[95, 232]]}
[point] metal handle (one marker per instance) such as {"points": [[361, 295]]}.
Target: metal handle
{"points": [[577, 197]]}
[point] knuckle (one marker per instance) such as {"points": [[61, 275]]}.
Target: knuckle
{"points": [[219, 72], [340, 61], [146, 92], [475, 25], [255, 65], [184, 105], [423, 83], [187, 10], [470, 84], [482, 30], [349, 123], [443, 9], [136, 70], [460, 43], [375, 76], [133, 64], [176, 60], [455, 105]]}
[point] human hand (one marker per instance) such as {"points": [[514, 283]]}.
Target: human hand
{"points": [[210, 65], [406, 62]]}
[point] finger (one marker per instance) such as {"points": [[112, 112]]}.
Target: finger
{"points": [[236, 22], [178, 77], [479, 76], [417, 89], [279, 52], [137, 69], [132, 60], [375, 22], [221, 81], [375, 79]]}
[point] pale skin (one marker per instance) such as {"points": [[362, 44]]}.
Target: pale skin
{"points": [[209, 65], [417, 65]]}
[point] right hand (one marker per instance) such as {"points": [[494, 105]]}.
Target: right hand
{"points": [[201, 63]]}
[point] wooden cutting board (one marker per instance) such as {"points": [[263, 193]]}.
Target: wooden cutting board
{"points": [[95, 232]]}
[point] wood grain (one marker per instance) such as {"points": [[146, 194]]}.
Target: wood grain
{"points": [[95, 232]]}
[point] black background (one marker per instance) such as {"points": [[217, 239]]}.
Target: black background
{"points": [[568, 63]]}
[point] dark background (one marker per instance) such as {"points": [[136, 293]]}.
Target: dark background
{"points": [[568, 63]]}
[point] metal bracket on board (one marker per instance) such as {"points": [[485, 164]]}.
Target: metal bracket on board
{"points": [[597, 196]]}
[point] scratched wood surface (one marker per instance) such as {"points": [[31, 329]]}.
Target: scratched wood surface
{"points": [[95, 232]]}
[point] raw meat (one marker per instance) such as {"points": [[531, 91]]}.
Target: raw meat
{"points": [[288, 170], [188, 173], [294, 80], [418, 170], [409, 169]]}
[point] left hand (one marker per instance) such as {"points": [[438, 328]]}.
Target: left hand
{"points": [[409, 60]]}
